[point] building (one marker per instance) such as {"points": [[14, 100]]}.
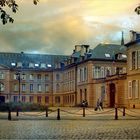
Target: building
{"points": [[87, 74]]}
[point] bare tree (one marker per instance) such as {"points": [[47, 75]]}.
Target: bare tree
{"points": [[5, 17]]}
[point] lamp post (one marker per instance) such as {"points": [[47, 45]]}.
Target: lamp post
{"points": [[18, 77]]}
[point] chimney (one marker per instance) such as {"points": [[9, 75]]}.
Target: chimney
{"points": [[132, 35], [77, 48], [83, 50]]}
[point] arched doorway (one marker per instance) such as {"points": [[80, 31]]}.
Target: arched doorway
{"points": [[112, 94]]}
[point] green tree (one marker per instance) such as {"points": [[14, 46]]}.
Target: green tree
{"points": [[12, 4]]}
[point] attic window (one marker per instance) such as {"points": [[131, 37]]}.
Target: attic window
{"points": [[124, 56], [13, 64], [36, 65], [107, 54], [49, 65], [43, 65]]}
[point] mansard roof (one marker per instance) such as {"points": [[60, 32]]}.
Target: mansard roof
{"points": [[107, 51], [49, 61], [137, 41]]}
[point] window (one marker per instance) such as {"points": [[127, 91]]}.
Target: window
{"points": [[23, 77], [31, 65], [85, 74], [47, 88], [23, 87], [107, 55], [15, 87], [39, 99], [36, 65], [135, 91], [39, 87], [102, 72], [97, 72], [31, 87], [46, 99], [31, 99], [15, 98], [49, 65], [57, 87], [43, 65], [23, 98], [57, 76], [134, 60], [1, 87], [13, 64], [15, 77], [57, 99], [39, 76], [46, 77], [19, 64], [1, 75], [108, 71], [31, 77], [130, 89]]}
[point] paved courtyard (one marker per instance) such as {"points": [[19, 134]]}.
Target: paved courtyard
{"points": [[71, 127]]}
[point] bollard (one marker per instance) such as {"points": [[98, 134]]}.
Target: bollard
{"points": [[9, 114], [123, 111], [83, 111], [47, 111], [116, 113], [17, 112], [58, 114]]}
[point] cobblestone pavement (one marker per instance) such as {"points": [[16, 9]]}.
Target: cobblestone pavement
{"points": [[76, 127]]}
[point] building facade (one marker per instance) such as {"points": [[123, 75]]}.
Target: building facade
{"points": [[108, 72]]}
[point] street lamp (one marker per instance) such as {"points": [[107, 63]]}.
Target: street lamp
{"points": [[18, 77]]}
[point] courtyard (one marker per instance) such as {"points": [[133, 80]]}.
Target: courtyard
{"points": [[98, 125]]}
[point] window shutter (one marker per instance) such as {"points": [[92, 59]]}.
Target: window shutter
{"points": [[137, 89], [139, 59], [130, 90]]}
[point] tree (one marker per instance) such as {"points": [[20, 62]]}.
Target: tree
{"points": [[137, 10], [5, 17]]}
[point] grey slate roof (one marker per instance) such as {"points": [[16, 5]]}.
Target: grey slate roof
{"points": [[7, 58], [100, 50]]}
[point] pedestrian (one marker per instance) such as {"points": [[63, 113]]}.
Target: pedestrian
{"points": [[101, 105], [98, 105]]}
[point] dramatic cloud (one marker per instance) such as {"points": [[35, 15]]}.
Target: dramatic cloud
{"points": [[56, 26]]}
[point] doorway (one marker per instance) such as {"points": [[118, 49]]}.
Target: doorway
{"points": [[112, 94]]}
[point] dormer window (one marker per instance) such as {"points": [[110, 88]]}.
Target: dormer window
{"points": [[36, 65], [31, 65], [13, 64], [19, 64], [107, 55], [49, 65], [43, 65], [124, 56]]}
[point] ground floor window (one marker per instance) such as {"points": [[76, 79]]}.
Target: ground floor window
{"points": [[23, 98], [38, 99], [15, 98], [31, 99], [46, 99], [57, 99]]}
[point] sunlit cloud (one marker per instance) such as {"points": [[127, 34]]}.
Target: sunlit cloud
{"points": [[56, 26]]}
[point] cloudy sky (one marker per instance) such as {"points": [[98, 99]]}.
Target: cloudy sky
{"points": [[56, 26]]}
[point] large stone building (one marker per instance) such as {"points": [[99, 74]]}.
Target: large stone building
{"points": [[87, 74]]}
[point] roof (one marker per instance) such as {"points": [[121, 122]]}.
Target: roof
{"points": [[6, 59], [133, 42], [107, 51]]}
